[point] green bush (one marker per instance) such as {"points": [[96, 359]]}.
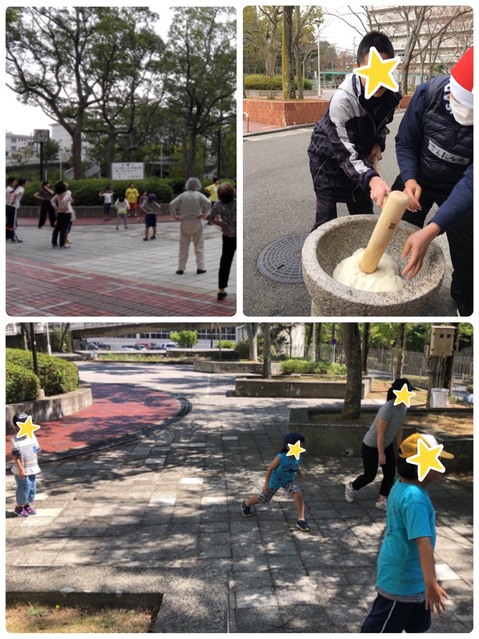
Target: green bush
{"points": [[185, 339], [21, 384], [260, 82], [226, 344], [56, 375], [86, 192], [242, 349], [306, 367]]}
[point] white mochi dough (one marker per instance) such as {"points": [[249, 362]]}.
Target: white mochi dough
{"points": [[385, 278]]}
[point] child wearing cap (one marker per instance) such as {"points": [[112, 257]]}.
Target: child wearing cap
{"points": [[281, 473], [150, 208], [378, 446], [25, 467], [408, 591]]}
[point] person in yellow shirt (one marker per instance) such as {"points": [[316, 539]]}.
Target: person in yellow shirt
{"points": [[132, 196]]}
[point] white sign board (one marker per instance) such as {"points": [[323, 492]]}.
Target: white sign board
{"points": [[127, 170]]}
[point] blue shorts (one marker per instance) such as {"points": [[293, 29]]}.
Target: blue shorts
{"points": [[150, 220], [26, 489], [388, 615], [291, 487]]}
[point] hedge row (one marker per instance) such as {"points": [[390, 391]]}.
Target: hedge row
{"points": [[259, 82], [304, 367], [55, 376]]}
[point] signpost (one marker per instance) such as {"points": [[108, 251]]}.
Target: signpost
{"points": [[127, 171], [40, 136]]}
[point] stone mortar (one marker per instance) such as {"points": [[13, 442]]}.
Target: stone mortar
{"points": [[338, 239]]}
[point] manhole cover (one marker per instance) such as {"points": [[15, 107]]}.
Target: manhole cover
{"points": [[281, 260]]}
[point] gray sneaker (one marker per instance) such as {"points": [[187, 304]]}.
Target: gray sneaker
{"points": [[349, 492], [246, 510], [382, 504]]}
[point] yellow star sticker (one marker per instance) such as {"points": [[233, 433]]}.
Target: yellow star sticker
{"points": [[295, 449], [426, 459], [27, 427], [403, 396], [378, 73]]}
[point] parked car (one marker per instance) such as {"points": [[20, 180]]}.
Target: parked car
{"points": [[91, 346], [142, 346], [168, 345], [102, 345], [127, 347]]}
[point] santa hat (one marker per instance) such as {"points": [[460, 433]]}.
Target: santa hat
{"points": [[462, 79]]}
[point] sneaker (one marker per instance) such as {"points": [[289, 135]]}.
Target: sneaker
{"points": [[179, 272], [29, 509], [20, 512], [302, 524], [68, 242], [199, 271], [153, 237], [382, 504], [65, 246], [145, 239], [349, 493], [246, 510]]}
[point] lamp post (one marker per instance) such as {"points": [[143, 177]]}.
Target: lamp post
{"points": [[317, 24]]}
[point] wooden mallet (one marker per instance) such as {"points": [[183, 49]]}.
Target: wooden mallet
{"points": [[393, 209]]}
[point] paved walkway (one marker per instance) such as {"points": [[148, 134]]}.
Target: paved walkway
{"points": [[161, 514], [112, 273]]}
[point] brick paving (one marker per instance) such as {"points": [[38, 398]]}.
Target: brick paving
{"points": [[112, 273], [161, 514]]}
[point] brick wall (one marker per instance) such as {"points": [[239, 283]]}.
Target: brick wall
{"points": [[282, 113]]}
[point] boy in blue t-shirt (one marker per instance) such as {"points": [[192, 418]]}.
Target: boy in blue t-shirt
{"points": [[406, 579], [281, 473], [25, 467]]}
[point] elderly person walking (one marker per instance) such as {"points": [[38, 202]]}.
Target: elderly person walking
{"points": [[190, 208]]}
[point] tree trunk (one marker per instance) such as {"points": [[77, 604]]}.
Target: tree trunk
{"points": [[449, 367], [401, 349], [365, 347], [297, 55], [252, 330], [267, 350], [352, 350], [287, 54]]}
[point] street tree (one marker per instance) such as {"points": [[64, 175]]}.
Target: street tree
{"points": [[351, 341], [200, 64], [70, 61], [287, 60]]}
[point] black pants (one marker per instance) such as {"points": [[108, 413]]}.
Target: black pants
{"points": [[326, 210], [370, 464], [10, 215], [227, 255], [61, 228], [393, 616], [460, 239], [46, 210]]}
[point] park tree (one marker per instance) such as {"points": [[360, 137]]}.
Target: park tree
{"points": [[185, 338], [351, 341], [266, 326], [200, 62], [262, 38], [252, 330], [72, 61], [287, 60]]}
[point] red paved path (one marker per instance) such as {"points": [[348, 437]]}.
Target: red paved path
{"points": [[118, 410], [35, 284]]}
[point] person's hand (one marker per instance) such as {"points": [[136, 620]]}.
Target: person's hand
{"points": [[266, 489], [379, 190], [416, 247], [413, 191], [436, 598], [382, 459], [22, 474], [375, 152]]}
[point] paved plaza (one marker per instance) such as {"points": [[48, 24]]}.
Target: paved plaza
{"points": [[161, 514], [109, 272]]}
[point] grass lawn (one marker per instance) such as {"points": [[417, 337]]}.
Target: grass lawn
{"points": [[30, 618]]}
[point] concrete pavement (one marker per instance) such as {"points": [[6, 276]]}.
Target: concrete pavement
{"points": [[161, 514], [109, 272]]}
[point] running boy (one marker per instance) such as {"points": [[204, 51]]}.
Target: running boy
{"points": [[406, 579], [24, 452], [347, 138], [281, 473]]}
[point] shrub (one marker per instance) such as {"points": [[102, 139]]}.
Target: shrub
{"points": [[86, 192], [185, 339], [226, 344], [242, 350], [306, 367], [260, 82], [56, 375], [21, 384]]}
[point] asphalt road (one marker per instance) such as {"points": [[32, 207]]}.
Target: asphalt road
{"points": [[278, 201]]}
